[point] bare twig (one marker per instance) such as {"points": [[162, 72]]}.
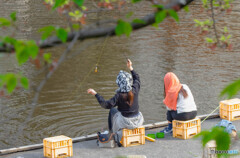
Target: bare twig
{"points": [[39, 88], [102, 31], [214, 22]]}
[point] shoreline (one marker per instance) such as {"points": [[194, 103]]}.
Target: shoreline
{"points": [[92, 136]]}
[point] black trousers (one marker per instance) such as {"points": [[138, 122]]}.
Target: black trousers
{"points": [[173, 115]]}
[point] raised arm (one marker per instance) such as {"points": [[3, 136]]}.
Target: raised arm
{"points": [[136, 79], [106, 104]]}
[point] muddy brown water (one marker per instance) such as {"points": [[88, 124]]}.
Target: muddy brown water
{"points": [[65, 108]]}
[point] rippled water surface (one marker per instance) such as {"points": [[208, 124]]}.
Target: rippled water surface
{"points": [[65, 108]]}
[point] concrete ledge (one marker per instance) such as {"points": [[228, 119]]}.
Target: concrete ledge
{"points": [[92, 136]]}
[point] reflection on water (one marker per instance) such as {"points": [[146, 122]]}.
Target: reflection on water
{"points": [[64, 107]]}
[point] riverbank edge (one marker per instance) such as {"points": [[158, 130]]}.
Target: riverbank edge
{"points": [[93, 136]]}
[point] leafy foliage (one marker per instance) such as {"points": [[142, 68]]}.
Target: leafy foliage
{"points": [[4, 22], [13, 16], [218, 134], [160, 16], [24, 82], [232, 89], [173, 14], [59, 3], [76, 15], [49, 30], [139, 21], [186, 9], [62, 34], [25, 49], [123, 28], [10, 80], [47, 57], [79, 2], [135, 1], [210, 40]]}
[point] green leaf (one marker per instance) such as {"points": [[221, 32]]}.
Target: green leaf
{"points": [[139, 21], [223, 38], [218, 134], [4, 22], [186, 9], [79, 2], [84, 8], [225, 29], [32, 49], [11, 82], [58, 3], [229, 36], [21, 52], [155, 25], [209, 40], [9, 40], [173, 14], [71, 14], [47, 57], [222, 144], [160, 16], [206, 136], [205, 29], [135, 1], [157, 6], [2, 79], [129, 14], [231, 90], [123, 28], [24, 82], [47, 31], [13, 16], [76, 26], [62, 34]]}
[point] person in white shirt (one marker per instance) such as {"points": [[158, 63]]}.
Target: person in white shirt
{"points": [[179, 101]]}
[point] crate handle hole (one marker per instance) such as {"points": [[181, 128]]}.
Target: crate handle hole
{"points": [[63, 154], [237, 116], [135, 142], [193, 134]]}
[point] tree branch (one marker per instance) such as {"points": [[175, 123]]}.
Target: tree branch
{"points": [[102, 31], [214, 22]]}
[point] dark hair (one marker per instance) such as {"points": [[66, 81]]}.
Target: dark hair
{"points": [[129, 97], [181, 91]]}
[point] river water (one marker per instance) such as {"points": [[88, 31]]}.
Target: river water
{"points": [[65, 108]]}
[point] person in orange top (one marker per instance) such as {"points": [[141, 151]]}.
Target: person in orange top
{"points": [[179, 101]]}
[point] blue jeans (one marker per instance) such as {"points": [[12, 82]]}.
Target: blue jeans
{"points": [[112, 112]]}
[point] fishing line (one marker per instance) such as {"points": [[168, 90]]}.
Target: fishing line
{"points": [[210, 114], [95, 69]]}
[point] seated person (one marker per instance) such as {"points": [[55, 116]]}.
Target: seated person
{"points": [[127, 115], [179, 101]]}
